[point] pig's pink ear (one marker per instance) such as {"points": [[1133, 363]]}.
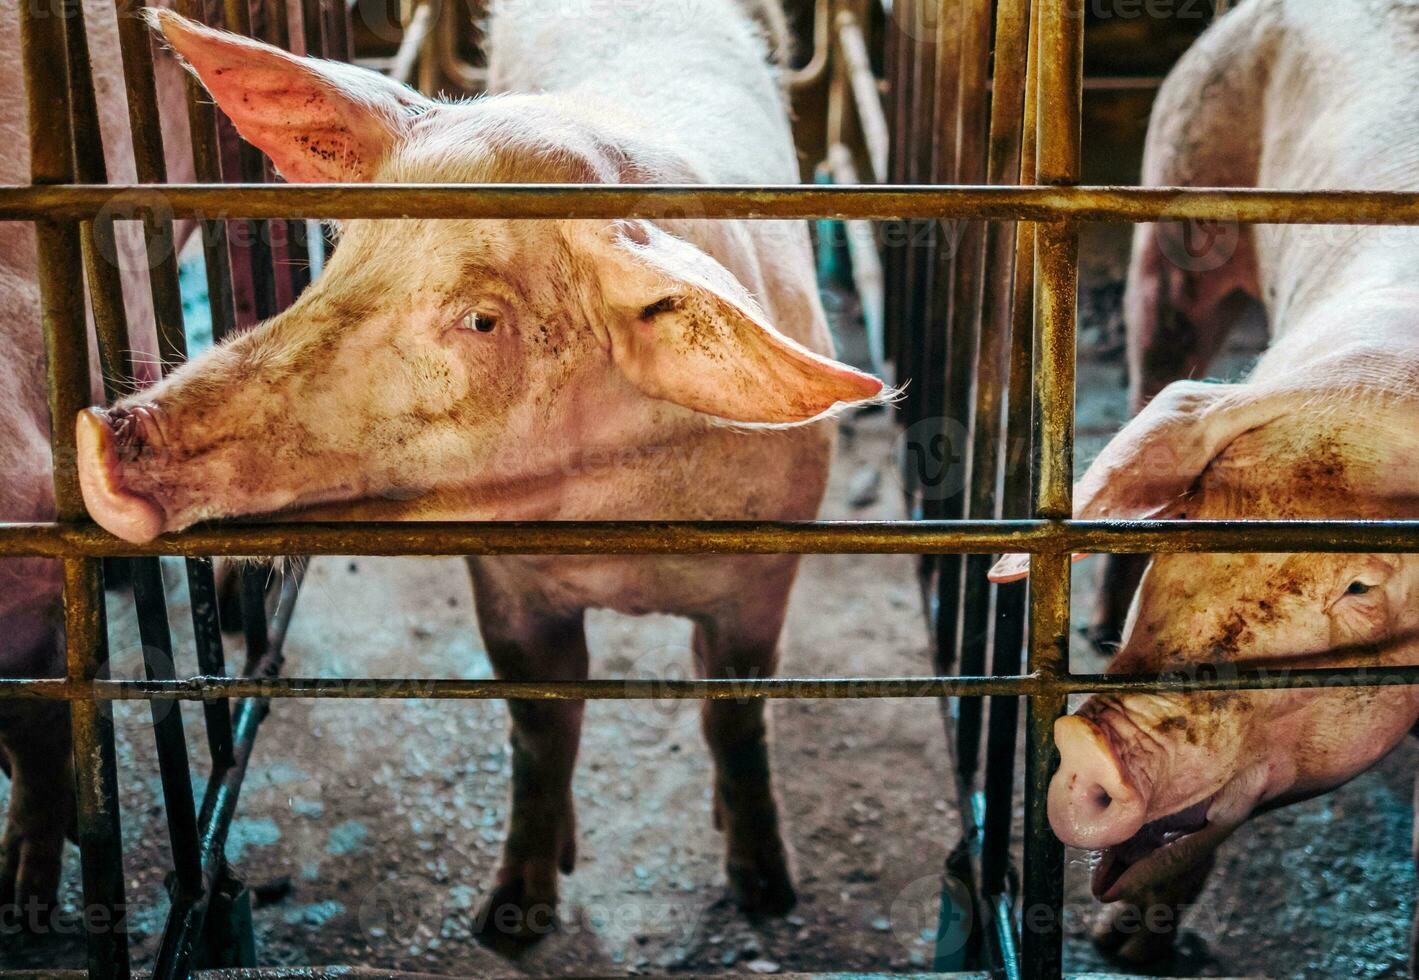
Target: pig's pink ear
{"points": [[318, 121], [1147, 469], [684, 329]]}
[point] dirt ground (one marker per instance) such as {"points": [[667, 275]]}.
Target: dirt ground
{"points": [[375, 827]]}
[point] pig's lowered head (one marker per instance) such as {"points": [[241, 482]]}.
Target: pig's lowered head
{"points": [[463, 358], [1157, 781]]}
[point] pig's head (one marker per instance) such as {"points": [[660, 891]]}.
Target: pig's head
{"points": [[441, 356], [1157, 781]]}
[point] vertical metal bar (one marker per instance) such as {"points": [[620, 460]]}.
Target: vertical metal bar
{"points": [[145, 120], [895, 62], [107, 296], [206, 162], [1008, 315], [66, 349], [958, 593], [134, 41], [1057, 246]]}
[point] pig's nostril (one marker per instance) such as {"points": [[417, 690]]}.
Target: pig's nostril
{"points": [[1092, 800], [126, 514]]}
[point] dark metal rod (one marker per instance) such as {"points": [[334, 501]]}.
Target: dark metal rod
{"points": [[1010, 601], [113, 336], [1060, 80], [988, 433], [44, 45], [1206, 677], [962, 597], [187, 916], [72, 539], [65, 201], [148, 597]]}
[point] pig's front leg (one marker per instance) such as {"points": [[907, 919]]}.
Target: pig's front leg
{"points": [[36, 743], [745, 808], [1143, 932], [526, 643]]}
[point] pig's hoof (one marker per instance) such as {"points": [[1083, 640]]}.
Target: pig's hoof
{"points": [[512, 919], [762, 890], [29, 882]]}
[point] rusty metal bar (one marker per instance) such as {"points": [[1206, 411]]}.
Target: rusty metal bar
{"points": [[895, 54], [135, 40], [1059, 79], [1009, 637], [44, 45], [986, 436], [45, 539], [1203, 677], [953, 588], [875, 202]]}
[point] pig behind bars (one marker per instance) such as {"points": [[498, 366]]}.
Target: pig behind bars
{"points": [[558, 369], [1294, 94], [34, 735]]}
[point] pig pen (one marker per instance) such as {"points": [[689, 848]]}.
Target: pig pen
{"points": [[368, 831]]}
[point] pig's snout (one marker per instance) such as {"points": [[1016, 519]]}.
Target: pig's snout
{"points": [[104, 438], [1092, 801]]}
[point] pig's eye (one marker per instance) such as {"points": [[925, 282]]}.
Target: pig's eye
{"points": [[660, 306], [479, 322], [1358, 588]]}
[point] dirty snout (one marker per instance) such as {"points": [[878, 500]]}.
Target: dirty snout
{"points": [[106, 440], [1093, 800]]}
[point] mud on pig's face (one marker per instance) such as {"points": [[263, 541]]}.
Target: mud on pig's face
{"points": [[1159, 780], [438, 355]]}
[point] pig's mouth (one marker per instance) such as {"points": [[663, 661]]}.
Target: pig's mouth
{"points": [[1174, 841], [1163, 848]]}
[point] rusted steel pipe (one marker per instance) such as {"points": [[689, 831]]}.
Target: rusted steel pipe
{"points": [[1208, 677], [1059, 78], [1007, 343], [60, 540], [44, 42], [871, 202]]}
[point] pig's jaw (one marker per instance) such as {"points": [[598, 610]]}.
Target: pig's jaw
{"points": [[1163, 848]]}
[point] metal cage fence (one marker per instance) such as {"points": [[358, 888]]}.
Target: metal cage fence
{"points": [[989, 327]]}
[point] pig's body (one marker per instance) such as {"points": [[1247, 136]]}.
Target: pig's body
{"points": [[1293, 94], [554, 370], [35, 736]]}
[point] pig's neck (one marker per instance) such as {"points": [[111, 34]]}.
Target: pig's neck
{"points": [[1309, 269], [693, 77]]}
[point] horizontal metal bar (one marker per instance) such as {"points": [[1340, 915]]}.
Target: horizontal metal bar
{"points": [[60, 540], [876, 202], [1205, 677]]}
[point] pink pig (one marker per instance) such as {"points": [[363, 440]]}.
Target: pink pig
{"points": [[552, 370], [34, 736], [1287, 94]]}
